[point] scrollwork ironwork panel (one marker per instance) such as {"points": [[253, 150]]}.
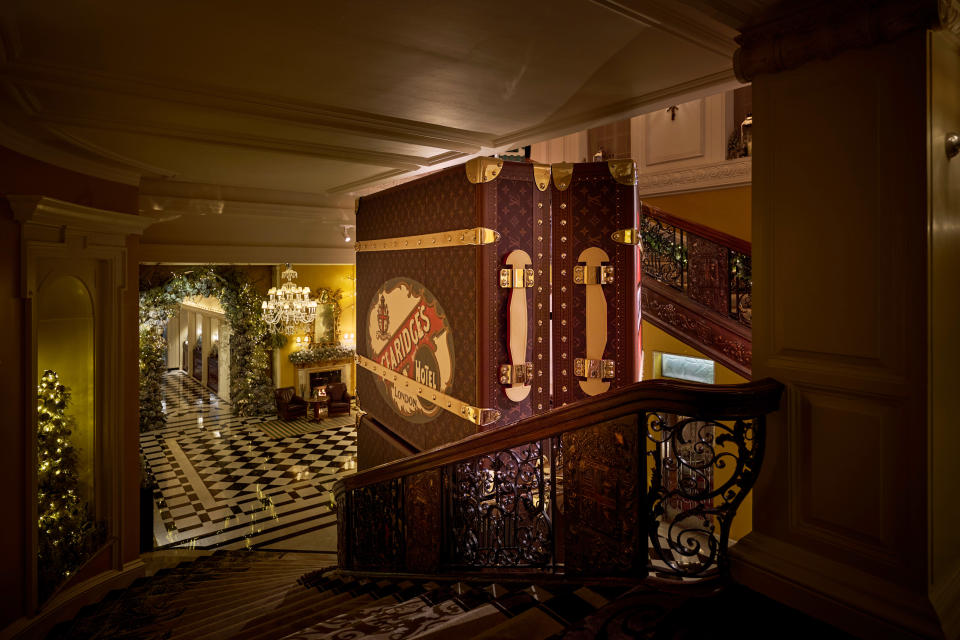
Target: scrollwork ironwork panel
{"points": [[741, 287], [602, 496], [707, 271], [423, 512], [701, 470], [377, 526], [501, 508], [664, 255]]}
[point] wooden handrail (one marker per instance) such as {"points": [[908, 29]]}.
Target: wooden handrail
{"points": [[617, 485], [719, 237], [716, 402]]}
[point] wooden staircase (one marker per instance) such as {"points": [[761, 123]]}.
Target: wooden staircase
{"points": [[258, 595], [253, 595], [697, 285]]}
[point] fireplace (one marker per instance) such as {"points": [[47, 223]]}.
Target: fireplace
{"points": [[323, 374], [323, 378]]}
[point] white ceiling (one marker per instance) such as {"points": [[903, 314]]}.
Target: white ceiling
{"points": [[310, 103]]}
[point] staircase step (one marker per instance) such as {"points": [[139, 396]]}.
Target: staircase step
{"points": [[229, 622]]}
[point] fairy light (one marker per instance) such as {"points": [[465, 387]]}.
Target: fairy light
{"points": [[63, 521]]}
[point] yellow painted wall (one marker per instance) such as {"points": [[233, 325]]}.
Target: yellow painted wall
{"points": [[330, 276], [729, 211], [726, 210], [65, 345], [655, 339]]}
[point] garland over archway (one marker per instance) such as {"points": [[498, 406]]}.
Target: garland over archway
{"points": [[251, 387]]}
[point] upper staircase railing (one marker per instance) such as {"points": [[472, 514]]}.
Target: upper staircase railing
{"points": [[697, 285], [644, 479]]}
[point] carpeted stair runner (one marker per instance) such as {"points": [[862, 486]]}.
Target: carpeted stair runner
{"points": [[255, 595]]}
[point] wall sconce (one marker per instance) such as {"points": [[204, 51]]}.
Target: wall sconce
{"points": [[346, 232]]}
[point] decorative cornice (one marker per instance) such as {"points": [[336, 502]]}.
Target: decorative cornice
{"points": [[826, 29], [41, 210], [729, 173], [169, 253], [278, 212], [34, 148]]}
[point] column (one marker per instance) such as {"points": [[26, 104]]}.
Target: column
{"points": [[205, 346], [174, 348], [191, 339], [855, 278]]}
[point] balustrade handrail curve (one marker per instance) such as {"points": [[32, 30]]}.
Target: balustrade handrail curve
{"points": [[715, 402], [719, 237], [638, 481]]}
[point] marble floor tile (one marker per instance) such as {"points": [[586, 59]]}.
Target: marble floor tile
{"points": [[221, 482]]}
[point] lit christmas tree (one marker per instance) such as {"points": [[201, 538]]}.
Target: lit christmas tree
{"points": [[66, 530]]}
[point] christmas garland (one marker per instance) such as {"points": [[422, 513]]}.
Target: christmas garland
{"points": [[315, 355], [251, 387]]}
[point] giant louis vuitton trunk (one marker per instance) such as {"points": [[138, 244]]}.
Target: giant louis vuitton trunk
{"points": [[595, 278], [453, 301]]}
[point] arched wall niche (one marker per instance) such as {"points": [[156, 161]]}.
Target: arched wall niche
{"points": [[73, 283], [65, 344]]}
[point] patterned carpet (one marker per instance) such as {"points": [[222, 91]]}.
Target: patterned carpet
{"points": [[224, 483], [255, 595]]}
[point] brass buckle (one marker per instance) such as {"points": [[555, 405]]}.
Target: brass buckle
{"points": [[626, 236], [583, 274], [516, 373], [516, 278], [594, 369]]}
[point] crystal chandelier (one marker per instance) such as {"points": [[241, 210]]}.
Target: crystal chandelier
{"points": [[289, 306]]}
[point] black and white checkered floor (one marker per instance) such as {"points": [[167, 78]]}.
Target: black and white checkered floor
{"points": [[224, 483]]}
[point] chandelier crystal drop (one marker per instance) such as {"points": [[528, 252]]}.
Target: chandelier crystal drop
{"points": [[289, 306]]}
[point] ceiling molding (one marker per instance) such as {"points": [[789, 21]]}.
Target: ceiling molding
{"points": [[350, 187], [683, 92], [686, 25], [446, 157], [238, 254], [718, 175], [276, 212], [96, 149], [260, 143], [370, 185], [30, 147], [41, 210], [248, 103]]}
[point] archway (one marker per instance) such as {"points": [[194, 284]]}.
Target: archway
{"points": [[251, 388]]}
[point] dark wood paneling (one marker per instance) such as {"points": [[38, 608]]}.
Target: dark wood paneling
{"points": [[423, 505], [602, 485], [708, 279]]}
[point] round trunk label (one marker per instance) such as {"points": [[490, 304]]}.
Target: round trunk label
{"points": [[408, 333]]}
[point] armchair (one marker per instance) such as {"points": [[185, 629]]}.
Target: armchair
{"points": [[338, 400], [289, 404]]}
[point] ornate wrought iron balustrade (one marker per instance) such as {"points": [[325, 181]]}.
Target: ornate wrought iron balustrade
{"points": [[645, 479], [710, 267], [664, 252]]}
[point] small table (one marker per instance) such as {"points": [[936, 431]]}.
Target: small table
{"points": [[318, 406]]}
